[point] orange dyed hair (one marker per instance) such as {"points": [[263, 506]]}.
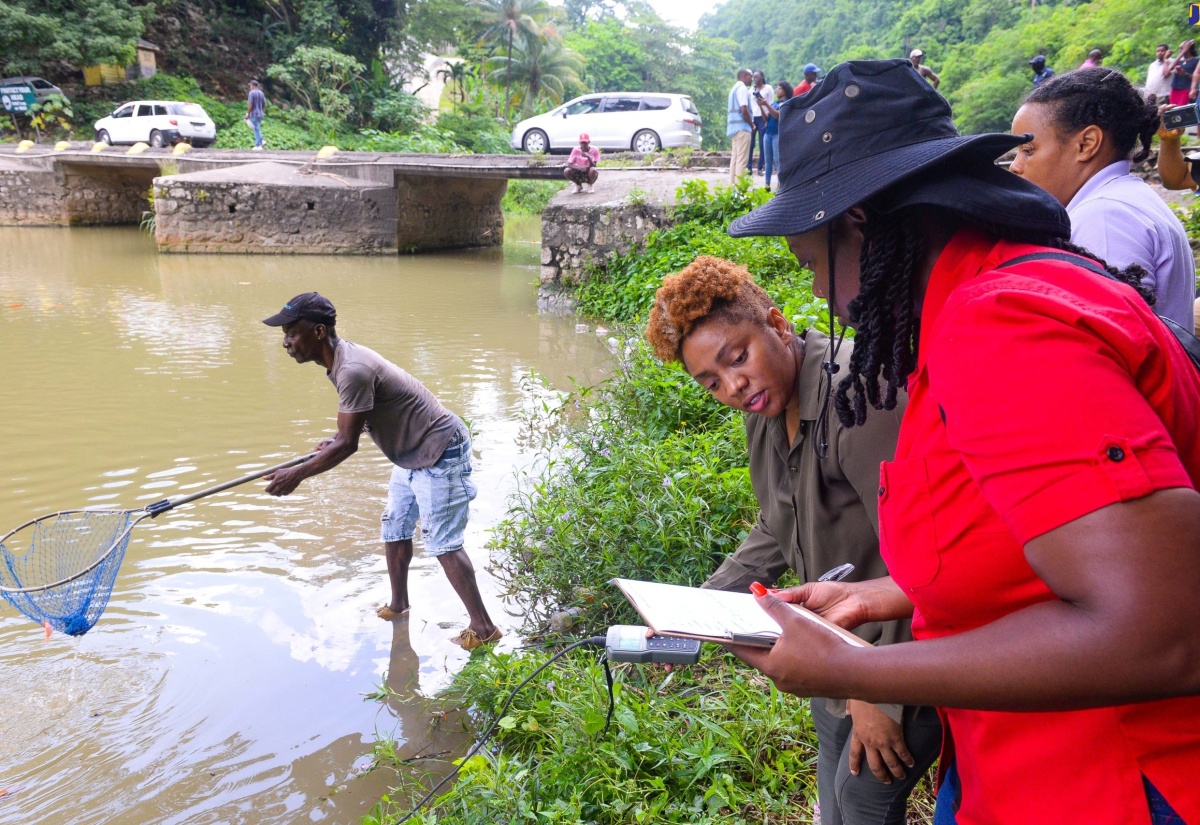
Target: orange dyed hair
{"points": [[707, 287]]}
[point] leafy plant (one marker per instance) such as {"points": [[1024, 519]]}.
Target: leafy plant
{"points": [[54, 114], [529, 197], [319, 76], [712, 744]]}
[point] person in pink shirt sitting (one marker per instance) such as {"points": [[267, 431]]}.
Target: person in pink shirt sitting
{"points": [[581, 165]]}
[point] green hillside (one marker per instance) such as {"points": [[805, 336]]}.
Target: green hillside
{"points": [[980, 48]]}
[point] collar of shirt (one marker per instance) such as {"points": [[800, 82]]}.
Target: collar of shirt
{"points": [[970, 252], [1102, 178], [808, 385]]}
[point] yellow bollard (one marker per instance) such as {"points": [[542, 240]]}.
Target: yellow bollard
{"points": [[25, 146], [62, 145], [99, 146], [181, 148], [327, 152], [137, 148]]}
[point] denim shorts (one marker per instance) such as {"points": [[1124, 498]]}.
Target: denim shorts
{"points": [[439, 495]]}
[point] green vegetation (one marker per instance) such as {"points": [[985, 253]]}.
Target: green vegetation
{"points": [[623, 290], [529, 197], [979, 48], [701, 746], [643, 476]]}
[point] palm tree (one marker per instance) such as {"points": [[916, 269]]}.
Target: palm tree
{"points": [[541, 68], [456, 73], [511, 20]]}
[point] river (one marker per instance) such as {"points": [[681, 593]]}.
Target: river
{"points": [[226, 681]]}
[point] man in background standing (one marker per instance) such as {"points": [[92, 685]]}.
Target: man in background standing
{"points": [[811, 73], [1158, 76], [739, 125], [1041, 72], [759, 90], [915, 57], [256, 107], [1095, 58]]}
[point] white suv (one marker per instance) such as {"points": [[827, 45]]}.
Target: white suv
{"points": [[620, 121], [157, 122]]}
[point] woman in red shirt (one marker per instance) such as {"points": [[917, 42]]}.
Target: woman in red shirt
{"points": [[1041, 521]]}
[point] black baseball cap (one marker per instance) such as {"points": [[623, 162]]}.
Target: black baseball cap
{"points": [[307, 306]]}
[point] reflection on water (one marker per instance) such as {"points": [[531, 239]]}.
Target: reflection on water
{"points": [[226, 680]]}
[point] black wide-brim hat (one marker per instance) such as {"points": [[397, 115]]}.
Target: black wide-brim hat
{"points": [[869, 126]]}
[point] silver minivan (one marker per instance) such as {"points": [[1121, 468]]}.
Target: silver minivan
{"points": [[616, 121]]}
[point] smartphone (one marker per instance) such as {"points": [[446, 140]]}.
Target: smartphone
{"points": [[1181, 117]]}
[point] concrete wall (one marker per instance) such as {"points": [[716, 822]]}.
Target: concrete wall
{"points": [[575, 235], [106, 197], [36, 194], [448, 213], [261, 217]]}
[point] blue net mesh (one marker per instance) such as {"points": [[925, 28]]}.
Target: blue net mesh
{"points": [[59, 547]]}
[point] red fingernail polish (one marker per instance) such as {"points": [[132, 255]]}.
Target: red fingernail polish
{"points": [[757, 589]]}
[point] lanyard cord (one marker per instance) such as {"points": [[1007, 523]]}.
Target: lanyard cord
{"points": [[830, 367]]}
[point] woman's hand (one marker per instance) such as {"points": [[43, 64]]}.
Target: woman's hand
{"points": [[880, 739], [850, 604], [804, 659]]}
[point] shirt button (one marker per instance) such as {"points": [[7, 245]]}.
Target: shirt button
{"points": [[882, 490], [1116, 454]]}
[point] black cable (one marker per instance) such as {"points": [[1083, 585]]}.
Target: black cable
{"points": [[591, 641]]}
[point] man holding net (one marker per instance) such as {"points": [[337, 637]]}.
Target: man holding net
{"points": [[429, 445]]}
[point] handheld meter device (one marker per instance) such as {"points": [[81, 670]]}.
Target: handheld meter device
{"points": [[628, 643]]}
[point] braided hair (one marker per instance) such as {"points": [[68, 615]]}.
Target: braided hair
{"points": [[1104, 98], [884, 315]]}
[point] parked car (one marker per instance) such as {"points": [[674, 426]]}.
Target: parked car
{"points": [[157, 122], [41, 88], [621, 121]]}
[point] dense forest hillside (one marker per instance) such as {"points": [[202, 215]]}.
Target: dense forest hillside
{"points": [[980, 48], [344, 70]]}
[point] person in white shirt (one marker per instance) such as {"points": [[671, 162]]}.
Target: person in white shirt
{"points": [[1158, 76], [1085, 125], [739, 125]]}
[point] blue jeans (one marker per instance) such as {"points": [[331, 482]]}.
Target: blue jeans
{"points": [[771, 153], [256, 125], [439, 495], [759, 125]]}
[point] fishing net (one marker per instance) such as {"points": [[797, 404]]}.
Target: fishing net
{"points": [[61, 568]]}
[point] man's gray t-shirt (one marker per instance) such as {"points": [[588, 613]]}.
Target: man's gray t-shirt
{"points": [[404, 420], [258, 102]]}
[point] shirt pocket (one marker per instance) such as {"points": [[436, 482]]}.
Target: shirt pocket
{"points": [[908, 541]]}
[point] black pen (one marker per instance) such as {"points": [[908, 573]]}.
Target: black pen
{"points": [[838, 573]]}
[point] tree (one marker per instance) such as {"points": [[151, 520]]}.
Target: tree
{"points": [[35, 33], [542, 68], [318, 76], [512, 21]]}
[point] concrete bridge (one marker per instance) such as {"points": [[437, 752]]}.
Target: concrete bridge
{"points": [[226, 200]]}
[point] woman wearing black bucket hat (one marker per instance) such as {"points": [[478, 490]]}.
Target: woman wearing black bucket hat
{"points": [[1041, 521]]}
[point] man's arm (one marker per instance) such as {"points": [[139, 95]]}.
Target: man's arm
{"points": [[757, 559], [330, 454], [1173, 168], [933, 77]]}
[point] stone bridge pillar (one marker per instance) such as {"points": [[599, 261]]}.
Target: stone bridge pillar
{"points": [[39, 192], [438, 212]]}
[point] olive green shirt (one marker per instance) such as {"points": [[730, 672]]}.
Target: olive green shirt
{"points": [[816, 513]]}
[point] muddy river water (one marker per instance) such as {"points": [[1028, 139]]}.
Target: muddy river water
{"points": [[225, 683]]}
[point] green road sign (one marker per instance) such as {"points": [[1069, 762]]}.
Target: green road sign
{"points": [[16, 98]]}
